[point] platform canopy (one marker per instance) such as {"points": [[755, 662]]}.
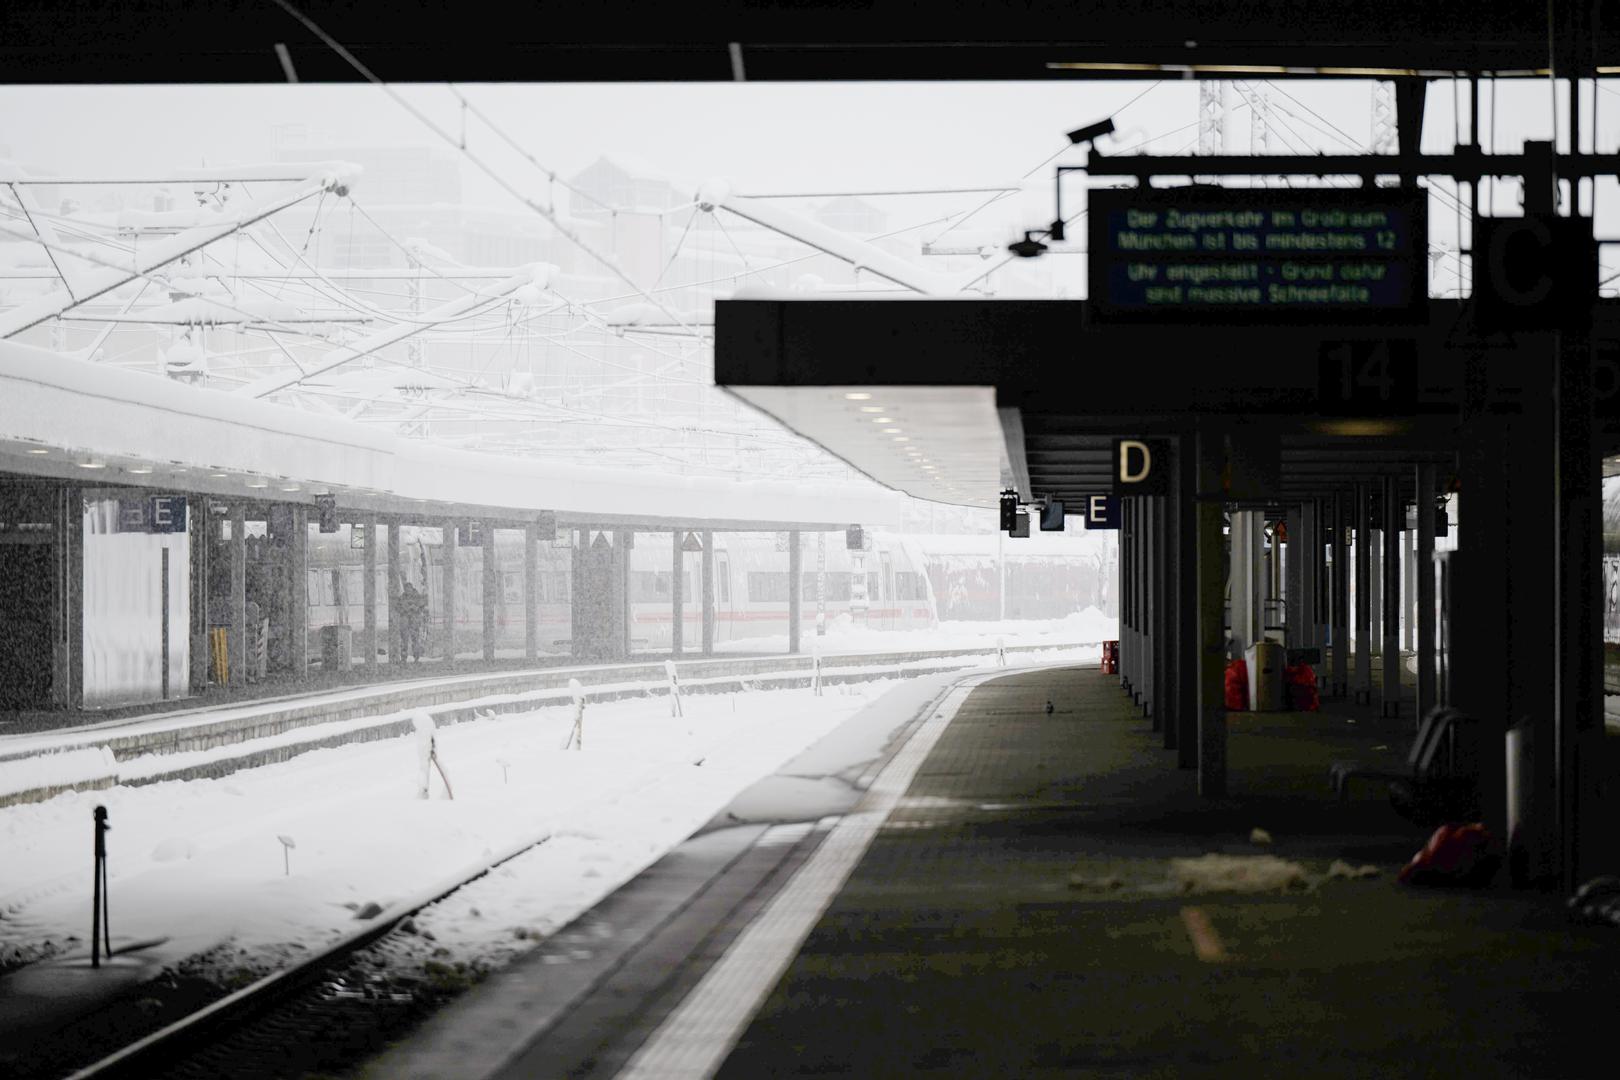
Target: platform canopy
{"points": [[147, 432]]}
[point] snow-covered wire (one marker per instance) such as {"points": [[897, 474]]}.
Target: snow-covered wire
{"points": [[548, 213]]}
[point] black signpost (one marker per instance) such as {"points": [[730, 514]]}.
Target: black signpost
{"points": [[1258, 255]]}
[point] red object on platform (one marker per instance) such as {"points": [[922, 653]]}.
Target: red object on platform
{"points": [[1454, 855], [1301, 681], [1237, 685], [1110, 658]]}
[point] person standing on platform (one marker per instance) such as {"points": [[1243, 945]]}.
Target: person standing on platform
{"points": [[412, 612]]}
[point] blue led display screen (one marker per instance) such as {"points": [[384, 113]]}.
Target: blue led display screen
{"points": [[1258, 255]]}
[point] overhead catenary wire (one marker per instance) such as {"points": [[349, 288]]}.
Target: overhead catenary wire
{"points": [[549, 213]]}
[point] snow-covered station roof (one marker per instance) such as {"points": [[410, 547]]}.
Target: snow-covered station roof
{"points": [[144, 431]]}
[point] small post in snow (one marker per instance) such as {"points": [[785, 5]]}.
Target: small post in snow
{"points": [[286, 860], [1001, 652], [428, 755], [815, 668], [576, 736], [99, 930], [674, 689]]}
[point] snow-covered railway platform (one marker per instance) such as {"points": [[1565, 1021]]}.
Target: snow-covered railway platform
{"points": [[194, 744]]}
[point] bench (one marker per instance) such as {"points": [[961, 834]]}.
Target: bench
{"points": [[1436, 732]]}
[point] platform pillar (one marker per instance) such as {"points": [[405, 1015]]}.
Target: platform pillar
{"points": [[1578, 728], [1127, 583], [1409, 591], [1392, 597], [1294, 607], [1362, 608], [391, 582], [447, 591], [1157, 616], [1181, 732], [237, 653], [1211, 618], [1375, 578], [677, 589], [623, 627], [200, 527], [298, 593], [795, 590], [531, 613], [1340, 622], [368, 591], [1423, 582], [707, 589], [492, 585]]}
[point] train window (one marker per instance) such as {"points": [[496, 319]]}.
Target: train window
{"points": [[767, 586], [312, 587], [872, 590], [512, 587], [724, 572], [648, 585], [339, 594], [835, 585], [908, 586], [561, 587]]}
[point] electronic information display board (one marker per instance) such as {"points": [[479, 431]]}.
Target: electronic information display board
{"points": [[1258, 256]]}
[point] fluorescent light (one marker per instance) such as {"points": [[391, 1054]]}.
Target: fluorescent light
{"points": [[289, 487], [871, 408], [902, 438], [140, 470], [39, 450], [891, 431], [883, 420], [92, 464], [219, 475], [257, 484], [858, 397]]}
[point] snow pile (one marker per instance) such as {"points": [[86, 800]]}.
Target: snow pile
{"points": [[83, 767], [1237, 873]]}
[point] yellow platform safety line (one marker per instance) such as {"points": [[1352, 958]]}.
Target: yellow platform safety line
{"points": [[1205, 941]]}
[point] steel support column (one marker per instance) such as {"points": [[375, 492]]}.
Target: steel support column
{"points": [[391, 581], [298, 593], [492, 583], [447, 571], [1294, 579], [368, 593], [200, 527], [1391, 606], [677, 597], [1578, 729], [1159, 616], [1423, 580], [795, 590], [708, 592], [1409, 589], [1362, 674], [1185, 727], [238, 633], [531, 591], [1211, 621], [1341, 594]]}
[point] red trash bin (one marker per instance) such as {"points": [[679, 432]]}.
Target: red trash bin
{"points": [[1110, 658]]}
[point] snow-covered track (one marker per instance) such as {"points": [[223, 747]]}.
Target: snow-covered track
{"points": [[212, 743], [305, 995]]}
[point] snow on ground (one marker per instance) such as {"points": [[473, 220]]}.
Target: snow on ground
{"points": [[843, 636], [201, 861]]}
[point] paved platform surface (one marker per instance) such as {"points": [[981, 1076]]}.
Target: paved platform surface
{"points": [[961, 945]]}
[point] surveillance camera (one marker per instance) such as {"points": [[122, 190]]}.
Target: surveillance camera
{"points": [[1027, 248], [1092, 132]]}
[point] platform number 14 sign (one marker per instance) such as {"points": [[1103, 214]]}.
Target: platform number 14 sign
{"points": [[1367, 378]]}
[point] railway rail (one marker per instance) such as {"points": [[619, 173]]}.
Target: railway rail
{"points": [[333, 1009]]}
